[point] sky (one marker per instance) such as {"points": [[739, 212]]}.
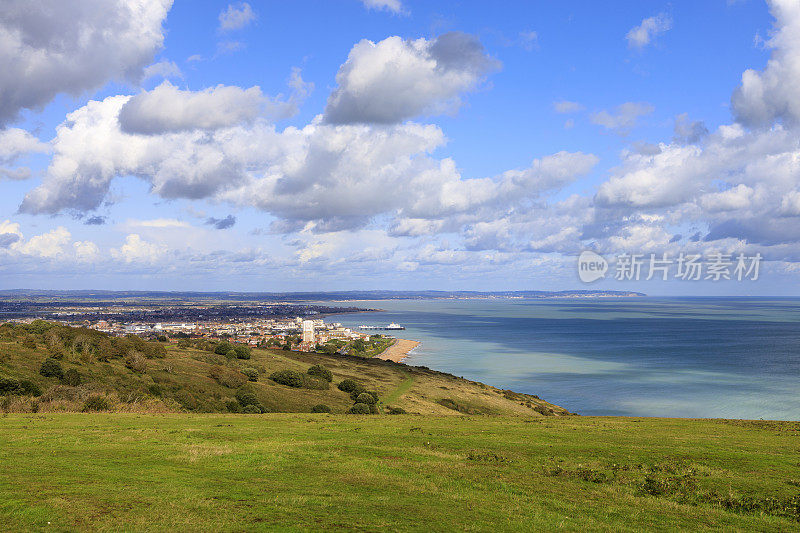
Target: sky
{"points": [[397, 144]]}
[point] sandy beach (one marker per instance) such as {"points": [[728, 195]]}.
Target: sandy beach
{"points": [[399, 350]]}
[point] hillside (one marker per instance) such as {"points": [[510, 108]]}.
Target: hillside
{"points": [[129, 374], [314, 472]]}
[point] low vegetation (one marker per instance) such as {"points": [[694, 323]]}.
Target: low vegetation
{"points": [[301, 471]]}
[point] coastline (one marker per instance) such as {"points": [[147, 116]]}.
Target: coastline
{"points": [[398, 351]]}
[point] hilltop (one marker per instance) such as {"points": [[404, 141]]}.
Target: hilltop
{"points": [[90, 370], [322, 472]]}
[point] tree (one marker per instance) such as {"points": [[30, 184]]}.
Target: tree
{"points": [[223, 348], [51, 369], [242, 352]]}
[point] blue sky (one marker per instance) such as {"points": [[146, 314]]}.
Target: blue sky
{"points": [[314, 145]]}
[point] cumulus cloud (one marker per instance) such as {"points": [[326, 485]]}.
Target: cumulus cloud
{"points": [[769, 95], [396, 79], [624, 117], [169, 109], [650, 28], [48, 245], [137, 250], [50, 46], [86, 250], [236, 16], [332, 177]]}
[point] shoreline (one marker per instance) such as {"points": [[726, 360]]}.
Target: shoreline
{"points": [[398, 351]]}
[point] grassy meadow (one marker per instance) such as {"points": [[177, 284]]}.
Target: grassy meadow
{"points": [[408, 472]]}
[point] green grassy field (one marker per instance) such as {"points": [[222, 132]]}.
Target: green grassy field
{"points": [[426, 473]]}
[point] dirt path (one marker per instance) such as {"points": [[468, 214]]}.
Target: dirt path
{"points": [[399, 350]]}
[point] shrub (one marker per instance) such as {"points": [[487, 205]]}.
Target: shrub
{"points": [[72, 378], [290, 378], [373, 409], [231, 354], [251, 373], [312, 382], [154, 389], [321, 372], [395, 410], [222, 348], [51, 369], [366, 398], [321, 408], [227, 377], [30, 388], [233, 406], [358, 391], [136, 361], [359, 409], [242, 352], [24, 387], [348, 385], [245, 398], [252, 409], [96, 402], [9, 386]]}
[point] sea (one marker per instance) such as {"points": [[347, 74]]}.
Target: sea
{"points": [[644, 356]]}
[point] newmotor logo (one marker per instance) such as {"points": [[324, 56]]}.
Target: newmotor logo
{"points": [[591, 266]]}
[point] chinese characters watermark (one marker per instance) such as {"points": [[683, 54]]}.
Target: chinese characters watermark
{"points": [[687, 267]]}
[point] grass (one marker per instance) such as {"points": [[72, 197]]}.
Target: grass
{"points": [[401, 389], [315, 472]]}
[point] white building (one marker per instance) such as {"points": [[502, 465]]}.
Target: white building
{"points": [[308, 331]]}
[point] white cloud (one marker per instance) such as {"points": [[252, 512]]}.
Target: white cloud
{"points": [[158, 223], [236, 16], [86, 251], [164, 69], [338, 177], [735, 198], [650, 28], [9, 233], [624, 117], [394, 6], [48, 245], [395, 79], [136, 250], [169, 109], [15, 142], [51, 46], [771, 94]]}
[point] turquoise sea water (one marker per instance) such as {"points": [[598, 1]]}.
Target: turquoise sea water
{"points": [[682, 357]]}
